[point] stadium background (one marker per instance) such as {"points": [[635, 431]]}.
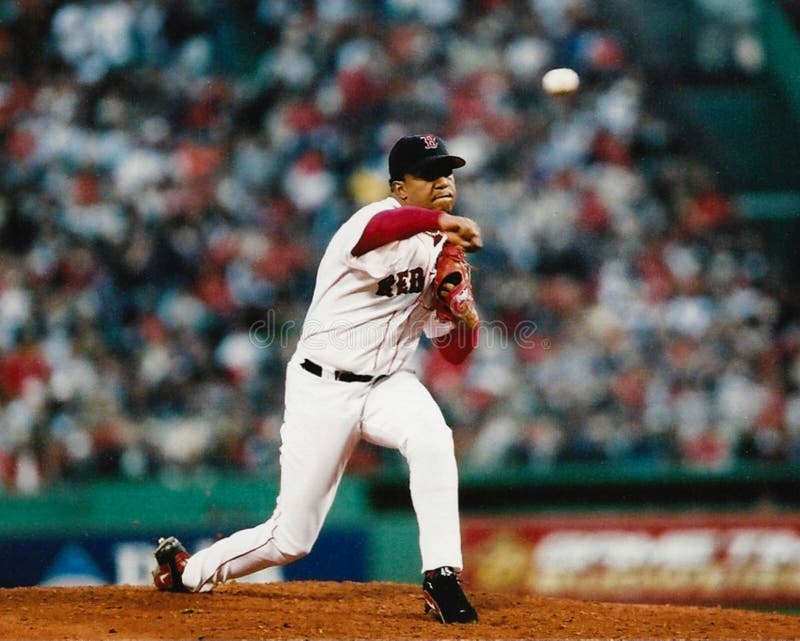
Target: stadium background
{"points": [[171, 171]]}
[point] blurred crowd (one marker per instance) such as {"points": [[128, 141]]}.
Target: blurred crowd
{"points": [[172, 170]]}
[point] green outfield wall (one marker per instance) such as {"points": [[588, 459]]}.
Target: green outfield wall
{"points": [[223, 501]]}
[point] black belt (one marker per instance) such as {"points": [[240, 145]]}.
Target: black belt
{"points": [[339, 375]]}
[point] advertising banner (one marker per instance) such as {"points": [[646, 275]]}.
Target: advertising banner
{"points": [[340, 554], [742, 559]]}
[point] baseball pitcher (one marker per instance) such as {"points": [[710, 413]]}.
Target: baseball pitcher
{"points": [[392, 271]]}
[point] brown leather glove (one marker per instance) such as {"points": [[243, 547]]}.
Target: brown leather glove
{"points": [[455, 301]]}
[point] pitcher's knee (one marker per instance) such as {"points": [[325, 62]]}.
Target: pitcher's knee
{"points": [[432, 450], [292, 551], [437, 443]]}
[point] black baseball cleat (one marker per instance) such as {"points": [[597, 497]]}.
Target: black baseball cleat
{"points": [[171, 558], [444, 596]]}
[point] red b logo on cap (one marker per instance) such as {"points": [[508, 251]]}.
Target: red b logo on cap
{"points": [[430, 141]]}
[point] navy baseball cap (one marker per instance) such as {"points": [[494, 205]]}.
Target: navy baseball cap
{"points": [[412, 154]]}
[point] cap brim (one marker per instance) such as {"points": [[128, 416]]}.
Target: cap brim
{"points": [[454, 162]]}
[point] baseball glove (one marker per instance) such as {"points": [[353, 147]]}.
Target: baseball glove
{"points": [[455, 301]]}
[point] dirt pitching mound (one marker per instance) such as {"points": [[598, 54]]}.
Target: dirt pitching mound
{"points": [[328, 610]]}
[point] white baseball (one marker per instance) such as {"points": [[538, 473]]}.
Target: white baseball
{"points": [[560, 81]]}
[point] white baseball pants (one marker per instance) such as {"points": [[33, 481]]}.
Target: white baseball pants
{"points": [[323, 421]]}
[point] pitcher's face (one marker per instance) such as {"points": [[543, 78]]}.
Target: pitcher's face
{"points": [[432, 188]]}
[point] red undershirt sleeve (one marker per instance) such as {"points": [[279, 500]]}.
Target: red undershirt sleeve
{"points": [[458, 344], [395, 224]]}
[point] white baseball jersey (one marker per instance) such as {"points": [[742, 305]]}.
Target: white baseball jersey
{"points": [[368, 312]]}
